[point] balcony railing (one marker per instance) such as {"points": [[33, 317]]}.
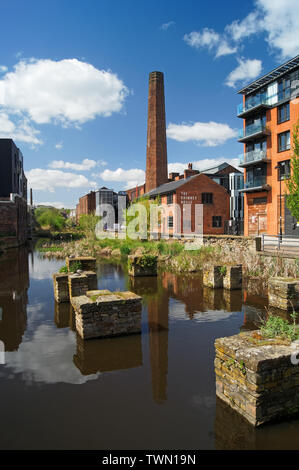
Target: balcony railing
{"points": [[252, 157], [252, 129], [253, 103], [256, 182]]}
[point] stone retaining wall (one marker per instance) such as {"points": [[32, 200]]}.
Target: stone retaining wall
{"points": [[103, 313], [88, 263], [257, 378]]}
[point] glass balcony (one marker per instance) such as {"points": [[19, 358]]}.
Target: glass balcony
{"points": [[252, 103], [258, 183], [255, 156], [252, 131]]}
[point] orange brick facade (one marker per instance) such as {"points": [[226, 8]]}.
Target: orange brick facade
{"points": [[265, 211]]}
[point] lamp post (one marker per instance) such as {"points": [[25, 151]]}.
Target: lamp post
{"points": [[278, 168]]}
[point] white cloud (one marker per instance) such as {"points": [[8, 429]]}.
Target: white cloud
{"points": [[86, 165], [131, 177], [59, 145], [206, 133], [67, 91], [225, 49], [47, 180], [202, 164], [165, 26], [211, 40], [239, 30], [281, 23], [21, 130], [57, 205], [207, 38], [248, 69], [3, 68]]}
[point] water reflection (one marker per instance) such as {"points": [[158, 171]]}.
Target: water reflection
{"points": [[14, 283], [118, 406], [109, 354]]}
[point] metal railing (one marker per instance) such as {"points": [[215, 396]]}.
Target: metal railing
{"points": [[262, 99], [288, 243], [254, 155], [252, 129]]}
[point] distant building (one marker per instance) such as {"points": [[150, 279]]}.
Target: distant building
{"points": [[269, 110], [13, 195], [95, 199]]}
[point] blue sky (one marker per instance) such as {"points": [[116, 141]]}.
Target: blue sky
{"points": [[74, 83]]}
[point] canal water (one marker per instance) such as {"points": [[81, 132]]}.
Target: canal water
{"points": [[150, 391]]}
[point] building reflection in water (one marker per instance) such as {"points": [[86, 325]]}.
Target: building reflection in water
{"points": [[14, 283], [109, 354]]}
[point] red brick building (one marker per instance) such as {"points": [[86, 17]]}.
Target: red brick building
{"points": [[210, 188], [86, 205]]}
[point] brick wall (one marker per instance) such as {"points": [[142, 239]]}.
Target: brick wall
{"points": [[86, 205], [13, 220]]}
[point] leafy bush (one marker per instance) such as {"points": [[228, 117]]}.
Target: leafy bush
{"points": [[277, 326], [63, 269], [75, 266], [49, 218]]}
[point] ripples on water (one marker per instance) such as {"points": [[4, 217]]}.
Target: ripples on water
{"points": [[150, 391]]}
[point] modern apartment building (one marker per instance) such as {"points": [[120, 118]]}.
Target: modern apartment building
{"points": [[269, 110], [13, 195]]}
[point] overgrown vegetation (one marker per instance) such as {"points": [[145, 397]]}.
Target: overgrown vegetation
{"points": [[275, 327], [50, 218], [292, 183]]}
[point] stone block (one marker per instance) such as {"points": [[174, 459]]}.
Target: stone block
{"points": [[257, 377], [143, 265], [283, 293], [103, 313], [78, 285], [213, 277], [92, 280], [232, 278], [61, 288], [88, 263]]}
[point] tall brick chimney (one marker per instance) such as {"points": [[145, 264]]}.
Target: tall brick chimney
{"points": [[156, 149]]}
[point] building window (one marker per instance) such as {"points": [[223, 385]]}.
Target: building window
{"points": [[284, 170], [169, 198], [284, 89], [170, 221], [284, 141], [283, 113], [217, 221], [259, 200], [207, 198]]}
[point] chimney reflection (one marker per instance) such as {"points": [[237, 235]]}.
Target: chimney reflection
{"points": [[109, 354], [14, 283], [158, 343]]}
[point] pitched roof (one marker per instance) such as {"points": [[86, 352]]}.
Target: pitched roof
{"points": [[168, 187]]}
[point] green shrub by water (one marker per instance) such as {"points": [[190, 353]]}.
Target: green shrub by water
{"points": [[278, 327]]}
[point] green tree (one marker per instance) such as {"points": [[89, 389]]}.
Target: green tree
{"points": [[49, 218], [147, 203], [87, 223], [292, 198]]}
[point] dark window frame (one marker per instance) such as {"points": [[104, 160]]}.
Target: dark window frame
{"points": [[207, 198], [170, 198], [217, 221], [279, 148], [284, 164], [279, 108], [170, 221]]}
